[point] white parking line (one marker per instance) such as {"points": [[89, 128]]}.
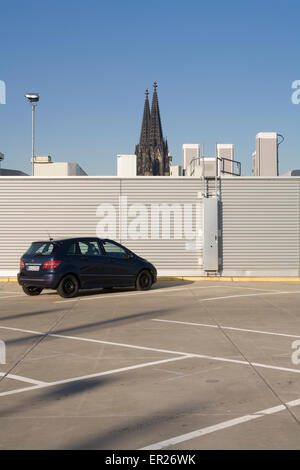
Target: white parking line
{"points": [[155, 291], [166, 351], [132, 294], [249, 295], [226, 328], [90, 340], [21, 379], [22, 330], [11, 292], [220, 426], [92, 376], [12, 296]]}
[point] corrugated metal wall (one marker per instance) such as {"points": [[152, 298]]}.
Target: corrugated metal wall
{"points": [[260, 233], [259, 219], [31, 207], [178, 253]]}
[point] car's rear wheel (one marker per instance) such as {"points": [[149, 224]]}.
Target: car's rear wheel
{"points": [[68, 286], [144, 280], [31, 290]]}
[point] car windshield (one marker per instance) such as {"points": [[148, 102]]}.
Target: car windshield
{"points": [[41, 249]]}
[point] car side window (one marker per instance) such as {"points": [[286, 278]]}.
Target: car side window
{"points": [[89, 248], [111, 249], [73, 249]]}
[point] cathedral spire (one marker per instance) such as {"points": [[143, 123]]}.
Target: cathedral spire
{"points": [[152, 151], [156, 135], [145, 132]]}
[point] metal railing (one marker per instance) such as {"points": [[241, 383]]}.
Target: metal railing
{"points": [[233, 162], [236, 166]]}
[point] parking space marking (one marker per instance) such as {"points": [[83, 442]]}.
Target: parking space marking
{"points": [[12, 296], [21, 379], [226, 328], [166, 351], [11, 292], [250, 295], [220, 426], [90, 340], [22, 330], [92, 376], [131, 294], [36, 385], [163, 291], [157, 291], [123, 369]]}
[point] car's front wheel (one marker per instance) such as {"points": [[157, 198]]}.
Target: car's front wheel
{"points": [[68, 286], [144, 280], [31, 290]]}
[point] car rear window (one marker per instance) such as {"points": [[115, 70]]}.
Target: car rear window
{"points": [[41, 249]]}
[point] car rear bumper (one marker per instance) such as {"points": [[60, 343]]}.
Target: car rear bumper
{"points": [[48, 281]]}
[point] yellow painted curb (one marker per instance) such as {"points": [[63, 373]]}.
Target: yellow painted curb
{"points": [[229, 279], [205, 278]]}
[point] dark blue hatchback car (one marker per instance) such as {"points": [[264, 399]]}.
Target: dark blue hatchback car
{"points": [[82, 263]]}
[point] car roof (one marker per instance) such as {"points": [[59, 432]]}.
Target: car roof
{"points": [[58, 240]]}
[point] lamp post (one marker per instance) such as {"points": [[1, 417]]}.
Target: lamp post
{"points": [[33, 99]]}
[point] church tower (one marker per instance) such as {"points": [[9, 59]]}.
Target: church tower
{"points": [[152, 151]]}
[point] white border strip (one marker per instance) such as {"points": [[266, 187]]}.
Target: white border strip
{"points": [[40, 385], [218, 427], [166, 290], [21, 379], [166, 351], [227, 328], [15, 296]]}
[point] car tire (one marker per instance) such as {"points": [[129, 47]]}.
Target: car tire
{"points": [[68, 286], [144, 280], [31, 290]]}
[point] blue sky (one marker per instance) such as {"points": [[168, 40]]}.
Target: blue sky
{"points": [[224, 73]]}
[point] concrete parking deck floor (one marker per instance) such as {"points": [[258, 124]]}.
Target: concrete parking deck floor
{"points": [[187, 365]]}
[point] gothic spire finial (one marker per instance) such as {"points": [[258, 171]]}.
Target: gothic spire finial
{"points": [[145, 131], [152, 151], [156, 135]]}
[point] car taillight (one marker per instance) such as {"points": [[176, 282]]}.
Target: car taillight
{"points": [[22, 265], [51, 264]]}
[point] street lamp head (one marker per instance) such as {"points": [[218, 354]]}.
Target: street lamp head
{"points": [[32, 97]]}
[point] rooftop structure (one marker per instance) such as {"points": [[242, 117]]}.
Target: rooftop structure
{"points": [[44, 166], [152, 150]]}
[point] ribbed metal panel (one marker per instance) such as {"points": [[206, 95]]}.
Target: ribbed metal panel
{"points": [[174, 255], [259, 219], [260, 233], [31, 207]]}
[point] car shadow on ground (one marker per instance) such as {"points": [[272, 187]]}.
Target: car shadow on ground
{"points": [[159, 285]]}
